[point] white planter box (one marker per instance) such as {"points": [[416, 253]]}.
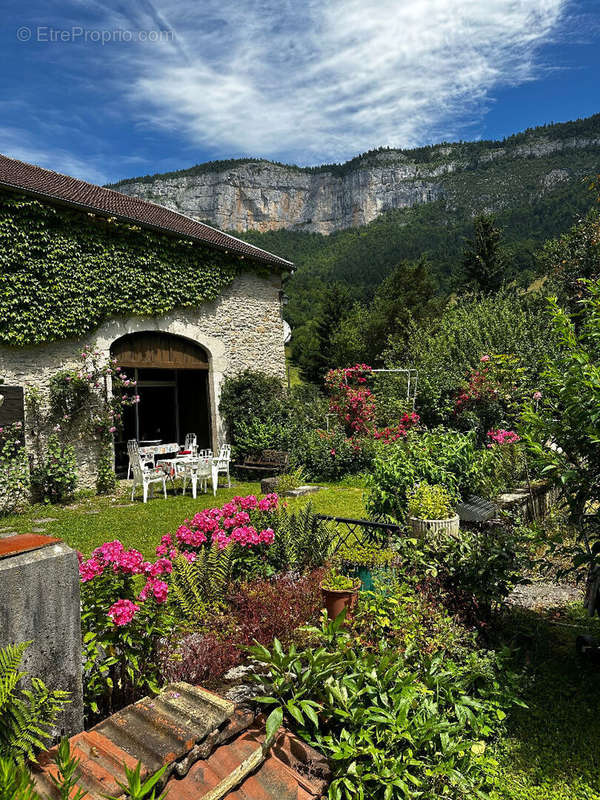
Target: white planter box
{"points": [[421, 527]]}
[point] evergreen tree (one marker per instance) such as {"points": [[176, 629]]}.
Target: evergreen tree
{"points": [[484, 258], [315, 362]]}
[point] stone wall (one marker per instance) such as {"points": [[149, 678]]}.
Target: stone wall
{"points": [[39, 603], [241, 330]]}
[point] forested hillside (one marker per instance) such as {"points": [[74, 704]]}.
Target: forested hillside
{"points": [[360, 258]]}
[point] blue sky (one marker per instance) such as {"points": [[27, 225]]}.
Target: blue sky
{"points": [[178, 82]]}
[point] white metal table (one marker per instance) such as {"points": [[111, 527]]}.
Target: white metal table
{"points": [[198, 467]]}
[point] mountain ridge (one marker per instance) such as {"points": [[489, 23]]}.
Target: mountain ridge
{"points": [[259, 195]]}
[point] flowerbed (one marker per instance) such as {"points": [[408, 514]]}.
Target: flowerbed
{"points": [[207, 594]]}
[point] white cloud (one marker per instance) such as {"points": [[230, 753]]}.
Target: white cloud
{"points": [[324, 80]]}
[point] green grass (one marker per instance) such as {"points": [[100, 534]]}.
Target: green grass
{"points": [[87, 522], [552, 751]]}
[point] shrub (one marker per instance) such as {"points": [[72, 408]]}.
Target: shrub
{"points": [[256, 612], [253, 405], [392, 726], [122, 626], [475, 570], [492, 395], [438, 457], [54, 479], [431, 502], [329, 455], [563, 430], [14, 469], [452, 346]]}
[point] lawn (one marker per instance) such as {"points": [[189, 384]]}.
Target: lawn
{"points": [[552, 751], [87, 522]]}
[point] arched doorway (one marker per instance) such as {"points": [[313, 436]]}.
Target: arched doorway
{"points": [[172, 381]]}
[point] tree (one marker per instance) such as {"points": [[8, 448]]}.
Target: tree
{"points": [[408, 295], [484, 258], [573, 258], [563, 431], [320, 356]]}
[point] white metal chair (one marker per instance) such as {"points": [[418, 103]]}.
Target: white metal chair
{"points": [[146, 461], [191, 443], [207, 453], [199, 471], [220, 464], [143, 475]]}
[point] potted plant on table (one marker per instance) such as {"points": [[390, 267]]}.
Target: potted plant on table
{"points": [[339, 592], [431, 509]]}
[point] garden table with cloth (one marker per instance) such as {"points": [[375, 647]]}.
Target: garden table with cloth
{"points": [[153, 450], [195, 466]]}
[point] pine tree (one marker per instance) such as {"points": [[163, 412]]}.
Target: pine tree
{"points": [[484, 258]]}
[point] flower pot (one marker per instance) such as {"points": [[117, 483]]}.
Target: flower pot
{"points": [[421, 527], [336, 600]]}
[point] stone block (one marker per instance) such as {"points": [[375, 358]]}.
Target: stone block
{"points": [[268, 485], [302, 490], [40, 603]]}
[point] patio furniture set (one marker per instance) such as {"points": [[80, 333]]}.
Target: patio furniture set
{"points": [[149, 467]]}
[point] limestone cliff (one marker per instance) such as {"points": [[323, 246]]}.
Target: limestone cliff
{"points": [[260, 195]]}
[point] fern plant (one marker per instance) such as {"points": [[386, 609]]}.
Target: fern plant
{"points": [[196, 584], [301, 539], [26, 715], [16, 782]]}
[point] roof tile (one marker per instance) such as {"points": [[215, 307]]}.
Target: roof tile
{"points": [[203, 739]]}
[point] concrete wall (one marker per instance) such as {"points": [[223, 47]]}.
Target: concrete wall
{"points": [[39, 602], [241, 330]]}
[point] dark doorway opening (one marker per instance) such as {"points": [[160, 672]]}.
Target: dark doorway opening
{"points": [[172, 383]]}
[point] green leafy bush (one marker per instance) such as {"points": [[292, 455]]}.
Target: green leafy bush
{"points": [[563, 431], [335, 581], [440, 456], [393, 725], [447, 350], [330, 455], [54, 479], [26, 715], [254, 409], [431, 502]]}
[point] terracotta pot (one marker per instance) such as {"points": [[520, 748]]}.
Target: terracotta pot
{"points": [[336, 600]]}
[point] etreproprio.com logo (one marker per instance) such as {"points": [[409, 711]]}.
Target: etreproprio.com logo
{"points": [[78, 34]]}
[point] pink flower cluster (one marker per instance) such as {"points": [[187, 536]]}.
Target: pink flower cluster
{"points": [[112, 555], [158, 588], [502, 436], [122, 612], [222, 526], [392, 434], [113, 558]]}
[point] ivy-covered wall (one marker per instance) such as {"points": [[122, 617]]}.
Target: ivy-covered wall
{"points": [[64, 272]]}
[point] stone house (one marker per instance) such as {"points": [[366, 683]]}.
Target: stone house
{"points": [[178, 304]]}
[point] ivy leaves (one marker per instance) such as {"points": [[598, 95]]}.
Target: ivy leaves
{"points": [[63, 273]]}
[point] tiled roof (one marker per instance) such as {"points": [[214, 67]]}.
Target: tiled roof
{"points": [[44, 183], [201, 739]]}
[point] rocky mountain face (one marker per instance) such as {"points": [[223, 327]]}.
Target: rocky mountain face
{"points": [[263, 196]]}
